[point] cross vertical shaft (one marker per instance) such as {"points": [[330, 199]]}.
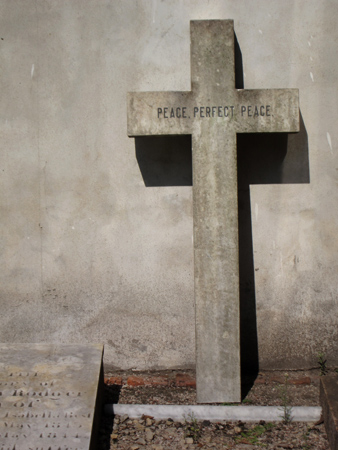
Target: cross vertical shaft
{"points": [[216, 227], [216, 266]]}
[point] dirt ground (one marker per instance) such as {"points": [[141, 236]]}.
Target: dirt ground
{"points": [[298, 388]]}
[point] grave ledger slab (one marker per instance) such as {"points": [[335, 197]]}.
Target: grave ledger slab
{"points": [[49, 396], [213, 112]]}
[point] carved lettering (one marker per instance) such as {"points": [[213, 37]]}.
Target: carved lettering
{"points": [[206, 112], [255, 111]]}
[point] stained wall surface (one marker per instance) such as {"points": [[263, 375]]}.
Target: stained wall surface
{"points": [[96, 228]]}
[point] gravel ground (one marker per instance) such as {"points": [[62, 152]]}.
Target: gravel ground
{"points": [[124, 433], [146, 433]]}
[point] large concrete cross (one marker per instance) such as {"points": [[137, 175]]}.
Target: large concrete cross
{"points": [[213, 112]]}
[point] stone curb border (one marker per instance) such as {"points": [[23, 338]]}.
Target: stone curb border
{"points": [[216, 413]]}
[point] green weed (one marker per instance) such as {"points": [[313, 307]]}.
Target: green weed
{"points": [[191, 427], [306, 445], [321, 359], [252, 436], [286, 408]]}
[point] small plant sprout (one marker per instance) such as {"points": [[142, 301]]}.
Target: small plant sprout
{"points": [[286, 408], [191, 427], [306, 435], [321, 359], [252, 436]]}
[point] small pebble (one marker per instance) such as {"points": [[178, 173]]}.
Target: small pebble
{"points": [[149, 435], [138, 426], [189, 440]]}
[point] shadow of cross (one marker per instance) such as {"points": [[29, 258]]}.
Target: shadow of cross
{"points": [[213, 112]]}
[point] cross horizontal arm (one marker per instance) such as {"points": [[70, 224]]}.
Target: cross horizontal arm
{"points": [[159, 113], [267, 111]]}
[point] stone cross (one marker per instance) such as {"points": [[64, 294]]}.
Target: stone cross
{"points": [[213, 112]]}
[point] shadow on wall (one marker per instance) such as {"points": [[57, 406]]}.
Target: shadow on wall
{"points": [[274, 158], [165, 160]]}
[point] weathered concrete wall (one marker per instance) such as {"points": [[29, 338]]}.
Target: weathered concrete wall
{"points": [[96, 235]]}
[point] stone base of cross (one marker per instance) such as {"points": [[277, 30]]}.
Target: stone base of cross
{"points": [[213, 112]]}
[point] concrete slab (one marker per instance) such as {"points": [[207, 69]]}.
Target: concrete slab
{"points": [[329, 401], [213, 112], [49, 396]]}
